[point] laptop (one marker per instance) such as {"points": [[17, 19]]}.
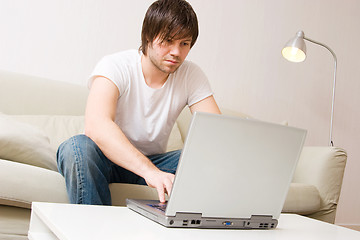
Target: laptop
{"points": [[232, 173]]}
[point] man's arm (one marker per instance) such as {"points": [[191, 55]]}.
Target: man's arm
{"points": [[101, 128], [206, 105]]}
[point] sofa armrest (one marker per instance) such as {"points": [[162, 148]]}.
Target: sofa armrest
{"points": [[22, 184], [322, 167]]}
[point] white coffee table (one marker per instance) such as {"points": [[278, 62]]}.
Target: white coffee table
{"points": [[66, 221]]}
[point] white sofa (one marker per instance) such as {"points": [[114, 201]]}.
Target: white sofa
{"points": [[37, 114]]}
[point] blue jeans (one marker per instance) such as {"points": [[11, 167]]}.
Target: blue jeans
{"points": [[88, 172]]}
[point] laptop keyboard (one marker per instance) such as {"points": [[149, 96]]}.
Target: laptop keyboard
{"points": [[161, 207]]}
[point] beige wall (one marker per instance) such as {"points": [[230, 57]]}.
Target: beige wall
{"points": [[239, 49]]}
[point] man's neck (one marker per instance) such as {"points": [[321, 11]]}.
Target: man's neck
{"points": [[153, 76]]}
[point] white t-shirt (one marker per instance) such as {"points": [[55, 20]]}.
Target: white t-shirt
{"points": [[147, 115]]}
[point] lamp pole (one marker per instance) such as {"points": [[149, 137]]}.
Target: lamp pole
{"points": [[331, 143]]}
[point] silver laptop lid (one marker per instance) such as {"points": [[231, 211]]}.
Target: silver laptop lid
{"points": [[235, 168]]}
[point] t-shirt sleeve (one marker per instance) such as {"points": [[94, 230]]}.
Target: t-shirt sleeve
{"points": [[198, 86], [107, 68]]}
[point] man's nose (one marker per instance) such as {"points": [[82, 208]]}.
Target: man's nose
{"points": [[175, 50]]}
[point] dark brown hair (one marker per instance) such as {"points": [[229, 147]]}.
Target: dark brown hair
{"points": [[169, 19]]}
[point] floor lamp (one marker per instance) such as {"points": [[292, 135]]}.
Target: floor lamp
{"points": [[295, 51]]}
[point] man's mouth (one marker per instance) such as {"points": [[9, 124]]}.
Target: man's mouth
{"points": [[172, 61]]}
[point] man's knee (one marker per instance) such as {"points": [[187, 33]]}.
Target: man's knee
{"points": [[73, 151], [85, 169]]}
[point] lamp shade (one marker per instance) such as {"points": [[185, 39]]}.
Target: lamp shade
{"points": [[295, 48]]}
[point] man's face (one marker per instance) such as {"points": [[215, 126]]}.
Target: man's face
{"points": [[168, 55]]}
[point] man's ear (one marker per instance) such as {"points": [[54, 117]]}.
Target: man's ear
{"points": [[149, 43]]}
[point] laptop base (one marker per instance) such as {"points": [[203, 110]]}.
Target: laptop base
{"points": [[195, 220]]}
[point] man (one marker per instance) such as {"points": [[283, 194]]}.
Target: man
{"points": [[135, 98]]}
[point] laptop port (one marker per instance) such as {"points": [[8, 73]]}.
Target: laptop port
{"points": [[227, 223]]}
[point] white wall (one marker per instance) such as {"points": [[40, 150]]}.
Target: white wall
{"points": [[239, 48]]}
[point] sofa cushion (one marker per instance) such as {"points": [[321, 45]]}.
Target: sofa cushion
{"points": [[57, 128], [302, 198], [21, 142]]}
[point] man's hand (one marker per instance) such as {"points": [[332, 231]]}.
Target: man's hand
{"points": [[161, 181]]}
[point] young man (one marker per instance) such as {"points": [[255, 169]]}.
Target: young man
{"points": [[135, 98]]}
